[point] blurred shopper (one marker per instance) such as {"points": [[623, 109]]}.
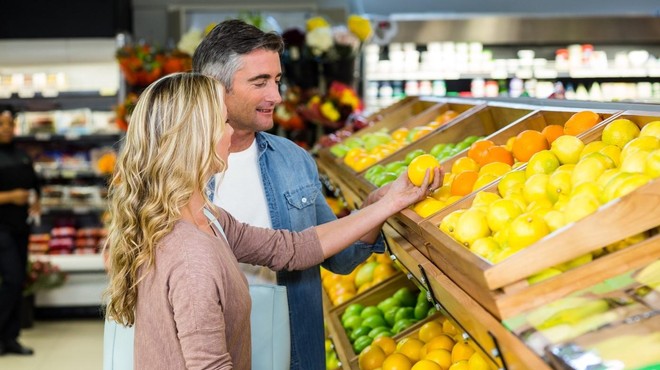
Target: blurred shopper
{"points": [[19, 188]]}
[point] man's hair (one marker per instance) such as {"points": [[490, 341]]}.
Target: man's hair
{"points": [[8, 108], [219, 54]]}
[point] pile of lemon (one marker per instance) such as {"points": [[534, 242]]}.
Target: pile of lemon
{"points": [[341, 288], [559, 186], [436, 346]]}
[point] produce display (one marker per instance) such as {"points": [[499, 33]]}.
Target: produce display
{"points": [[559, 186]]}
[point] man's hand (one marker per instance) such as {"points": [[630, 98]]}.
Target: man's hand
{"points": [[402, 193]]}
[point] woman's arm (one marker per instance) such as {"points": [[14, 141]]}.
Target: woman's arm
{"points": [[366, 224]]}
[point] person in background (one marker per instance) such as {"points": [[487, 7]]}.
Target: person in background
{"points": [[173, 256], [271, 182], [19, 189]]}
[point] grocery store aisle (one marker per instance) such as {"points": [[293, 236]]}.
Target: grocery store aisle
{"points": [[60, 345]]}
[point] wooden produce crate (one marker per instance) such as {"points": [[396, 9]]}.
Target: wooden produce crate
{"points": [[482, 121], [370, 297], [502, 288]]}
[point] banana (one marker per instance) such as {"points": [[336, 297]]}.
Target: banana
{"points": [[574, 315]]}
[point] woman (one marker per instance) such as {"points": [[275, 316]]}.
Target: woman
{"points": [[173, 274]]}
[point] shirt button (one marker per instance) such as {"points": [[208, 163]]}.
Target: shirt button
{"points": [[304, 200]]}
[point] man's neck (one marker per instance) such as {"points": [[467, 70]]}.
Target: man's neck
{"points": [[241, 140]]}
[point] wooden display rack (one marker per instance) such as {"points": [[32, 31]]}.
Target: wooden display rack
{"points": [[502, 288]]}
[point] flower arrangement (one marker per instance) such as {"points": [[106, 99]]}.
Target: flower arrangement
{"points": [[333, 109], [141, 64], [42, 275], [339, 42], [124, 110]]}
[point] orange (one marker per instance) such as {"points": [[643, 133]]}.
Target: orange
{"points": [[371, 358], [461, 351], [497, 153], [442, 341], [383, 271], [446, 116], [387, 344], [422, 131], [441, 357], [551, 132], [417, 168], [527, 143], [400, 133], [581, 122], [410, 347], [464, 164], [478, 150], [426, 365], [397, 361], [464, 183], [429, 331]]}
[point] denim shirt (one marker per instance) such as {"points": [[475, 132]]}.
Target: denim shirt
{"points": [[295, 202]]}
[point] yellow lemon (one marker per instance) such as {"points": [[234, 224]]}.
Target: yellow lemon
{"points": [[460, 365], [503, 254], [453, 199], [559, 183], [441, 357], [644, 143], [580, 206], [511, 182], [449, 222], [526, 229], [485, 247], [429, 331], [419, 166], [554, 219], [592, 147], [587, 170], [652, 165], [634, 162], [464, 164], [371, 358], [410, 347], [604, 159], [544, 161], [612, 186], [566, 167], [471, 226], [442, 193], [442, 341], [387, 344], [651, 129], [426, 365], [477, 362], [484, 198], [363, 163], [495, 168], [613, 152], [428, 206], [543, 275], [535, 187], [501, 212], [630, 184], [567, 149], [461, 351], [449, 328], [606, 177], [397, 361], [483, 180], [575, 262], [619, 132]]}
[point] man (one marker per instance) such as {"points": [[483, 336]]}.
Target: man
{"points": [[272, 182], [17, 181]]}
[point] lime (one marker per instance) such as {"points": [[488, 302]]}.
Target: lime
{"points": [[404, 313], [402, 325], [352, 322], [361, 343], [437, 149], [370, 311], [421, 308], [374, 321], [405, 296], [393, 166], [390, 314], [412, 155], [388, 303], [353, 309], [375, 331], [355, 334]]}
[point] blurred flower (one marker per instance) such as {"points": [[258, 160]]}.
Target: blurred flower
{"points": [[190, 40], [360, 26], [319, 40], [316, 22], [42, 275]]}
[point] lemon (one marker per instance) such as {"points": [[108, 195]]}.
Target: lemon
{"points": [[593, 146], [575, 262], [644, 143], [652, 165], [606, 177], [539, 206], [503, 254], [580, 206], [464, 164], [543, 161], [634, 162], [554, 219], [590, 188], [460, 365], [501, 212], [449, 222], [567, 149], [612, 186], [630, 184], [453, 199], [560, 204], [587, 170], [461, 351], [484, 199], [471, 226], [543, 275], [428, 206], [477, 362], [483, 180], [485, 247], [419, 166], [371, 358], [495, 168], [502, 237], [511, 182], [604, 159], [526, 229], [566, 167], [559, 183], [442, 193], [651, 129], [613, 152], [426, 365], [535, 187], [619, 132], [410, 347], [397, 361], [429, 331], [441, 357], [519, 199]]}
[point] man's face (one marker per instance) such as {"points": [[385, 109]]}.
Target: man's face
{"points": [[6, 127], [255, 91]]}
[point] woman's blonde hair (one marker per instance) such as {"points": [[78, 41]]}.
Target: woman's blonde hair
{"points": [[168, 153]]}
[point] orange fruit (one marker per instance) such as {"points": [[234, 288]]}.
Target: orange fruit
{"points": [[442, 341], [426, 365], [528, 143], [441, 357], [551, 132], [397, 361], [497, 153], [417, 168], [410, 347], [478, 150], [446, 116], [371, 358], [429, 331], [387, 344], [464, 164], [383, 271], [464, 182], [422, 131], [581, 122], [461, 351], [400, 133]]}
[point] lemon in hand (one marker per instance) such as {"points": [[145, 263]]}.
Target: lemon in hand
{"points": [[418, 167]]}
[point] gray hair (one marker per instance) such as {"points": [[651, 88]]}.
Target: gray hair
{"points": [[219, 54]]}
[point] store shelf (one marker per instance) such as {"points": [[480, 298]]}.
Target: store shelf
{"points": [[74, 263]]}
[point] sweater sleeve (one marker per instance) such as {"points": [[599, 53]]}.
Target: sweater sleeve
{"points": [[275, 249], [197, 297]]}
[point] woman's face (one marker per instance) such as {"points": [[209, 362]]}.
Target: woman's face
{"points": [[6, 127]]}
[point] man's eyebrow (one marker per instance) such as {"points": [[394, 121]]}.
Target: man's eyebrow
{"points": [[264, 76]]}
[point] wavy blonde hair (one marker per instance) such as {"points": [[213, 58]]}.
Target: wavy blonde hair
{"points": [[168, 153]]}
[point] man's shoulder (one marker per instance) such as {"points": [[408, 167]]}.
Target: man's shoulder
{"points": [[286, 147]]}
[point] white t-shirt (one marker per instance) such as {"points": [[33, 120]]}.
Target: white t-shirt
{"points": [[240, 191]]}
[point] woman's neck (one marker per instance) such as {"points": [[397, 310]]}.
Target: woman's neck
{"points": [[193, 212]]}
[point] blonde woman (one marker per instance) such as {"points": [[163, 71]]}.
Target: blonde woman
{"points": [[173, 270]]}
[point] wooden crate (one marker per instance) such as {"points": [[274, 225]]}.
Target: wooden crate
{"points": [[502, 287]]}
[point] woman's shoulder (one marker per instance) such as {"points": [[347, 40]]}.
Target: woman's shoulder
{"points": [[186, 242]]}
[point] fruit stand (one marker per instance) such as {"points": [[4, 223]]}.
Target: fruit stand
{"points": [[520, 300]]}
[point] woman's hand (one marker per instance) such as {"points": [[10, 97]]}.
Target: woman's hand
{"points": [[402, 193]]}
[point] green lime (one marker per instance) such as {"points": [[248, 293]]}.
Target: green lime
{"points": [[378, 330], [405, 296], [437, 148], [373, 172], [393, 166], [421, 296], [384, 334], [355, 334], [412, 155], [402, 325], [370, 311], [383, 178], [361, 343], [390, 314], [404, 313], [353, 322], [389, 302], [421, 309], [431, 311], [353, 309], [374, 321]]}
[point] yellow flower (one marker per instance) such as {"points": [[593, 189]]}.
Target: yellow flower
{"points": [[328, 111], [316, 22], [209, 27], [360, 26], [347, 98]]}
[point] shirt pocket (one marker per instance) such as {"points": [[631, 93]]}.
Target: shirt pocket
{"points": [[300, 205]]}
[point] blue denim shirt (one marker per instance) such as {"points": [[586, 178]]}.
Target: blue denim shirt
{"points": [[295, 202]]}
